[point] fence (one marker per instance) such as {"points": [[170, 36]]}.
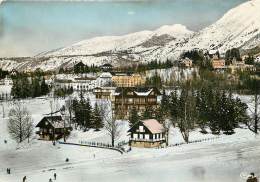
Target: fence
{"points": [[194, 141], [118, 147], [5, 96]]}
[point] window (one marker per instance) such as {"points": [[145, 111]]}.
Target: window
{"points": [[135, 136], [141, 128], [147, 136]]}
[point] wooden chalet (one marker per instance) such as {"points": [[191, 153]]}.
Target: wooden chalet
{"points": [[147, 134], [52, 128], [140, 98], [106, 67]]}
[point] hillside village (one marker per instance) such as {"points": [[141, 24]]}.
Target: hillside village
{"points": [[198, 112], [138, 106]]}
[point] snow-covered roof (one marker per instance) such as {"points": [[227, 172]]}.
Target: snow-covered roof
{"points": [[211, 52], [153, 125], [143, 93], [55, 121], [105, 75]]}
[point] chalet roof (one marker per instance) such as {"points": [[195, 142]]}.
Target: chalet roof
{"points": [[139, 91], [107, 65], [55, 121], [211, 52], [105, 75], [143, 93], [151, 124]]}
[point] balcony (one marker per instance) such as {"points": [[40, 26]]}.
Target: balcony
{"points": [[146, 140]]}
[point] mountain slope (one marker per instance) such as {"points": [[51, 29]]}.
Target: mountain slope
{"points": [[240, 27]]}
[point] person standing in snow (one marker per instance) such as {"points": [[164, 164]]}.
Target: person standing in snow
{"points": [[55, 175], [50, 180], [24, 178]]}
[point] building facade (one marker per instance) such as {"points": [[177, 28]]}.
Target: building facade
{"points": [[128, 79], [147, 134], [140, 98], [52, 128]]}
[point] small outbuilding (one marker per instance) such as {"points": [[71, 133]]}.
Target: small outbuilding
{"points": [[147, 134], [53, 128]]}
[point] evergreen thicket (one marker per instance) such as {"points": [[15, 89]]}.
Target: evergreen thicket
{"points": [[85, 116], [206, 108], [24, 86]]}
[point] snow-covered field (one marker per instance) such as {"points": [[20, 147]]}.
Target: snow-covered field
{"points": [[223, 159]]}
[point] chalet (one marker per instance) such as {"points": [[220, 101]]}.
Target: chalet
{"points": [[140, 98], [128, 79], [214, 54], [14, 72], [147, 134], [106, 67], [186, 63], [218, 64], [104, 93], [52, 128], [257, 59]]}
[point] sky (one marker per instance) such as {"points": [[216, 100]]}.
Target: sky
{"points": [[31, 27]]}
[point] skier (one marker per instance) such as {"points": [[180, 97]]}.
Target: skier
{"points": [[50, 180], [24, 178], [55, 175], [252, 178]]}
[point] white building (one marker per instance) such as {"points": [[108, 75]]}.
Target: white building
{"points": [[105, 79], [257, 59], [83, 82], [8, 81]]}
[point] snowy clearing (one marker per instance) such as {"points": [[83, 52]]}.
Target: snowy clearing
{"points": [[223, 159]]}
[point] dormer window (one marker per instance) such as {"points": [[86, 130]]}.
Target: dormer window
{"points": [[141, 129]]}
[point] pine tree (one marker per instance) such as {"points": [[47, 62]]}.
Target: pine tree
{"points": [[97, 119], [133, 117], [36, 88], [44, 87], [148, 113]]}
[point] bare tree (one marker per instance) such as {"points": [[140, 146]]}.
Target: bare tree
{"points": [[20, 124], [110, 123], [69, 108], [253, 123]]}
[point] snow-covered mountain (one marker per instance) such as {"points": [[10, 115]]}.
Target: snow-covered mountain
{"points": [[239, 27]]}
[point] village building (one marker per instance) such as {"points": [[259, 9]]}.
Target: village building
{"points": [[83, 82], [53, 128], [104, 93], [240, 66], [186, 63], [106, 67], [140, 98], [218, 64], [14, 72], [8, 81], [147, 134], [104, 79], [257, 59], [214, 54], [128, 79]]}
